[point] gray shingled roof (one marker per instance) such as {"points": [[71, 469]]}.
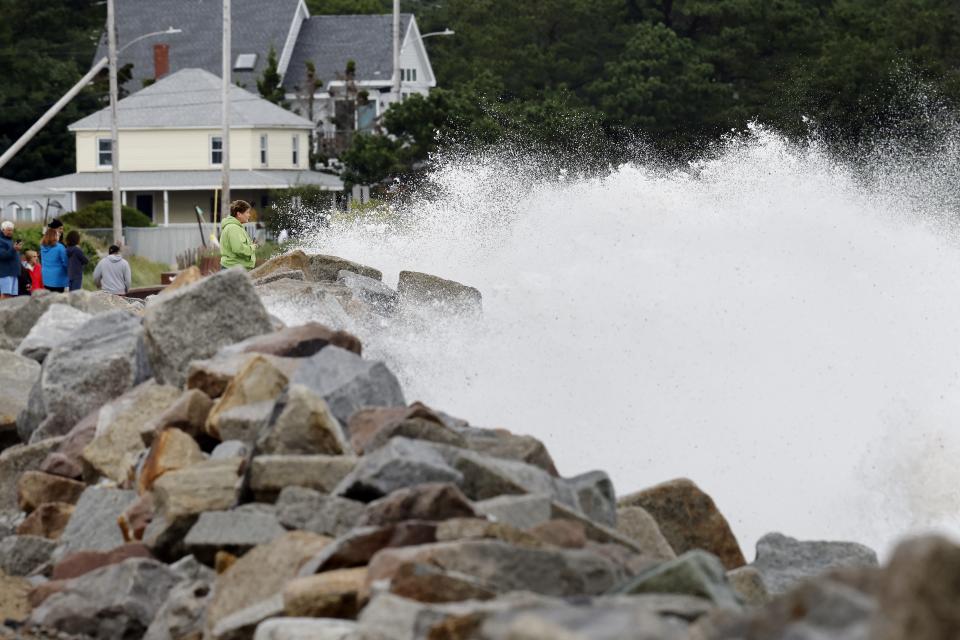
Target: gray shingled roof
{"points": [[256, 25], [190, 180], [14, 188], [329, 41], [191, 98]]}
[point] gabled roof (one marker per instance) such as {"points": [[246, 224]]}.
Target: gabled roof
{"points": [[256, 25], [191, 99], [14, 188], [330, 41]]}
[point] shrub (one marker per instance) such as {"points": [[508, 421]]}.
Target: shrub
{"points": [[31, 236], [297, 210], [99, 215]]}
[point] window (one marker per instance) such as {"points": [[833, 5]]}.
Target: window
{"points": [[26, 213], [104, 152], [245, 62], [296, 151], [413, 75], [408, 75], [216, 150], [263, 150]]}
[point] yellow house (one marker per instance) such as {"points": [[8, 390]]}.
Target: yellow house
{"points": [[171, 150]]}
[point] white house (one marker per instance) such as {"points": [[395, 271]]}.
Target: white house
{"points": [[328, 42], [28, 203], [171, 150]]}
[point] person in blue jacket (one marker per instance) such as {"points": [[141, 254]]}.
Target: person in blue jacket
{"points": [[9, 261], [53, 257], [76, 260]]}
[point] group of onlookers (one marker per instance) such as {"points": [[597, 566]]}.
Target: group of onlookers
{"points": [[59, 266]]}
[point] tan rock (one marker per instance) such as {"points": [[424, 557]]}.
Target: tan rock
{"points": [[293, 260], [476, 528], [333, 594], [172, 449], [114, 450], [187, 276], [18, 459], [135, 519], [371, 428], [568, 534], [188, 413], [304, 426], [49, 520], [14, 594], [261, 573], [35, 488], [211, 485], [427, 583], [66, 461], [223, 560], [434, 501], [258, 381], [270, 474], [689, 519], [638, 525], [301, 341], [748, 583], [82, 562], [214, 375]]}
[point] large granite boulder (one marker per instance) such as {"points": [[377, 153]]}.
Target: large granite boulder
{"points": [[21, 555], [93, 526], [784, 561], [370, 291], [55, 326], [117, 601], [324, 268], [104, 359], [18, 315], [304, 425], [294, 301], [398, 464], [295, 260], [301, 341], [347, 382], [689, 519], [18, 375], [425, 289], [695, 573], [194, 322], [235, 532], [310, 510], [259, 382]]}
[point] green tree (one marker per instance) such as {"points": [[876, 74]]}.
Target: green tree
{"points": [[371, 159], [269, 84]]}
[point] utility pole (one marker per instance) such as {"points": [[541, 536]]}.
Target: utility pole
{"points": [[225, 99], [396, 50], [114, 133]]}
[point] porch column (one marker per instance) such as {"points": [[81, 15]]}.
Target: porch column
{"points": [[123, 198], [73, 200], [166, 208]]}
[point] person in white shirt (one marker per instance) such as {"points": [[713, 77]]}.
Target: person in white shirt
{"points": [[113, 273]]}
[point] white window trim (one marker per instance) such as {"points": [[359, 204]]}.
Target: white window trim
{"points": [[98, 152], [210, 151], [264, 150]]}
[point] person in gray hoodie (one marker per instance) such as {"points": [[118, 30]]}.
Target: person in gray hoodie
{"points": [[113, 273]]}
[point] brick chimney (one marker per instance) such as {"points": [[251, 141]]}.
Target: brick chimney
{"points": [[161, 60]]}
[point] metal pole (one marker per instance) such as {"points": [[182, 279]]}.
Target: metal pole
{"points": [[396, 50], [114, 135], [225, 200], [52, 112]]}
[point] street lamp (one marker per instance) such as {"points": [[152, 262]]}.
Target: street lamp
{"points": [[445, 32]]}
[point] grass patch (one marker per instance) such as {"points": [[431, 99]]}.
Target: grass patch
{"points": [[143, 272]]}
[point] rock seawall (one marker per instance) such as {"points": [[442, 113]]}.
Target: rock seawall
{"points": [[193, 469]]}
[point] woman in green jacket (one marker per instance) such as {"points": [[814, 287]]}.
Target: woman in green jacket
{"points": [[236, 248]]}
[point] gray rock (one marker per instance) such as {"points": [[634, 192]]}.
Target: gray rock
{"points": [[194, 322], [425, 289], [93, 526], [233, 531], [230, 449], [309, 510], [104, 359], [242, 624], [271, 474], [58, 324], [183, 612], [520, 511], [503, 567], [18, 375], [399, 463], [296, 301], [695, 573], [785, 561], [324, 268], [598, 500], [117, 601], [191, 570], [305, 629], [347, 382], [370, 291], [17, 459], [21, 555], [18, 315], [33, 411]]}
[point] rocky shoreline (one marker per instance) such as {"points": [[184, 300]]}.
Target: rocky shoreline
{"points": [[192, 468]]}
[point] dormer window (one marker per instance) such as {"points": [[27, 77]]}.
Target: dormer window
{"points": [[245, 62], [104, 152]]}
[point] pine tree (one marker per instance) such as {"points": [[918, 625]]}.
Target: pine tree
{"points": [[269, 84]]}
